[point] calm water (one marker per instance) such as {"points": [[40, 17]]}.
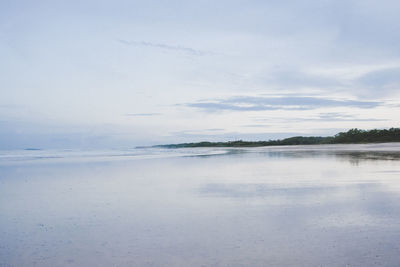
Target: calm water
{"points": [[333, 205]]}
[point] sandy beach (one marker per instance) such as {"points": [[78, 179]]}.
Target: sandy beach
{"points": [[283, 206]]}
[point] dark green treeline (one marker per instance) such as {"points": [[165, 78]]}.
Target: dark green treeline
{"points": [[353, 136]]}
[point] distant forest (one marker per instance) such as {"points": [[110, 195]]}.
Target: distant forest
{"points": [[353, 136]]}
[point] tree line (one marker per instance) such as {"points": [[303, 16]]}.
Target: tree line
{"points": [[352, 136]]}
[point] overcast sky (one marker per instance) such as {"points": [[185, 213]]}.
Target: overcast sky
{"points": [[94, 73]]}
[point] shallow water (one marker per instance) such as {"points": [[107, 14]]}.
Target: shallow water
{"points": [[333, 205]]}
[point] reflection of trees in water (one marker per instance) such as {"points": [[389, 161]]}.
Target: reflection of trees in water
{"points": [[206, 154], [354, 157]]}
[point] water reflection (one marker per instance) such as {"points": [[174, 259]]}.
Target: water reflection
{"points": [[353, 157], [351, 153], [266, 190], [370, 200], [243, 207]]}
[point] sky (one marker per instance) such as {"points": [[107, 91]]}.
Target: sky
{"points": [[112, 74]]}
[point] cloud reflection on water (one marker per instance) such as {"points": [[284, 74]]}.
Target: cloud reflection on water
{"points": [[281, 206]]}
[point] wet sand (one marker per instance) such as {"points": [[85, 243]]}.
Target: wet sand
{"points": [[283, 206]]}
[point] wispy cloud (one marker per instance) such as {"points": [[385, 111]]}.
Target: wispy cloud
{"points": [[185, 136], [178, 48], [142, 114], [321, 117], [251, 103], [333, 116]]}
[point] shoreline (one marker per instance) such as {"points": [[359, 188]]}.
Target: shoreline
{"points": [[353, 136]]}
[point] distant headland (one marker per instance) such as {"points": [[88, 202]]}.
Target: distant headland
{"points": [[353, 136]]}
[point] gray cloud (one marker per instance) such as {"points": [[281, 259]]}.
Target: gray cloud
{"points": [[142, 114], [332, 116], [250, 103], [208, 106], [204, 132], [184, 136], [12, 106], [292, 78], [256, 126], [342, 117], [381, 82], [178, 48]]}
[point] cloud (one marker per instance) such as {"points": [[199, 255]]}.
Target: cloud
{"points": [[295, 78], [142, 114], [251, 103], [178, 48], [342, 117], [198, 136], [12, 106], [381, 82], [322, 117]]}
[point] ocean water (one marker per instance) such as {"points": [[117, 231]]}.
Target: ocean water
{"points": [[325, 205]]}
